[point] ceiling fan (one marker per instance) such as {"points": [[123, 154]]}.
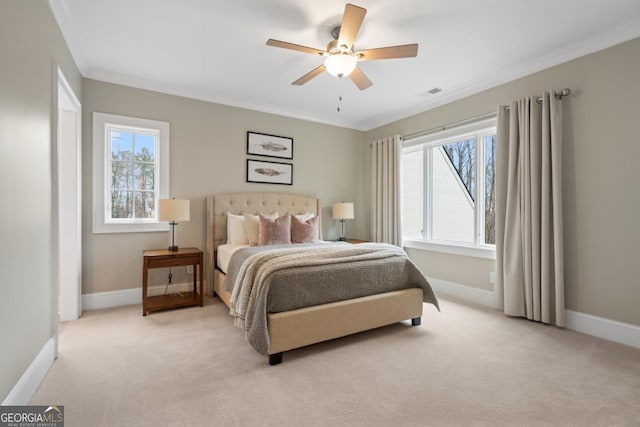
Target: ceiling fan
{"points": [[341, 59]]}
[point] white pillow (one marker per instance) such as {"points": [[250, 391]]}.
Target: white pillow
{"points": [[236, 233], [252, 226], [305, 217]]}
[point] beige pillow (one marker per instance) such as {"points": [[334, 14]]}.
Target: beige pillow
{"points": [[304, 231], [252, 226], [236, 233], [274, 231]]}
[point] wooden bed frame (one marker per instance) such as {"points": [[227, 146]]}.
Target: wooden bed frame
{"points": [[298, 328]]}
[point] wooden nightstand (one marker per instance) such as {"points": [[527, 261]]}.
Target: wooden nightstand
{"points": [[356, 241], [164, 258]]}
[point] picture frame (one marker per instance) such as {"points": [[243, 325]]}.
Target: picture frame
{"points": [[262, 144], [263, 172]]}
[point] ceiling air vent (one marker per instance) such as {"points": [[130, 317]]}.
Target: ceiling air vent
{"points": [[430, 92]]}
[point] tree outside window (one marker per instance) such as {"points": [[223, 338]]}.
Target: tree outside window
{"points": [[133, 165]]}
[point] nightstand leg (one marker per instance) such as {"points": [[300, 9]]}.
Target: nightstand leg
{"points": [[195, 275], [201, 277], [145, 271]]}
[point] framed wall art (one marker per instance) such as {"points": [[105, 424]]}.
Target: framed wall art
{"points": [[269, 172], [262, 144]]}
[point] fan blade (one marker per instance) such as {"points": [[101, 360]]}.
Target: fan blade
{"points": [[358, 77], [311, 74], [403, 51], [351, 22], [286, 45]]}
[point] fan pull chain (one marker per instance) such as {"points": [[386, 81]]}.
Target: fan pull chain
{"points": [[340, 95]]}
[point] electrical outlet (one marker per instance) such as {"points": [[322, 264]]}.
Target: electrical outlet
{"points": [[492, 277], [189, 269]]}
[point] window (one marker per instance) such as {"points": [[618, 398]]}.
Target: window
{"points": [[130, 173], [448, 196]]}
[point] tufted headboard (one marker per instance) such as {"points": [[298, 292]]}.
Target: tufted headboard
{"points": [[251, 203]]}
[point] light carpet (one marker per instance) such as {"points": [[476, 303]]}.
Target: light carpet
{"points": [[465, 366]]}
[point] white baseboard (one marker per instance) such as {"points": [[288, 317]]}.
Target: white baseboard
{"points": [[99, 300], [611, 330], [600, 327], [28, 384], [466, 293]]}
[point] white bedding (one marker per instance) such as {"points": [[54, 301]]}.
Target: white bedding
{"points": [[224, 254]]}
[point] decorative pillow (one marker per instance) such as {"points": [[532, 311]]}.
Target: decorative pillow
{"points": [[274, 231], [304, 231], [252, 226], [236, 234]]}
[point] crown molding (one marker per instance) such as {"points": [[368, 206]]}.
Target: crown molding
{"points": [[560, 56]]}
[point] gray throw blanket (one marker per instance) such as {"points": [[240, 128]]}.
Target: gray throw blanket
{"points": [[303, 275]]}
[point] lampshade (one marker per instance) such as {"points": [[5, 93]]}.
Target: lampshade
{"points": [[173, 210], [342, 210], [340, 64]]}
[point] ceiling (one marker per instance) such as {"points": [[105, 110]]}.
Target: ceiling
{"points": [[215, 50]]}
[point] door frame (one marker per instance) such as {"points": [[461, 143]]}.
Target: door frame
{"points": [[68, 292]]}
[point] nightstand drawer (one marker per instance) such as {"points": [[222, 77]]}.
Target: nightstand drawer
{"points": [[172, 261]]}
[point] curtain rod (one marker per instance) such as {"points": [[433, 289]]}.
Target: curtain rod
{"points": [[448, 125], [564, 92], [559, 95]]}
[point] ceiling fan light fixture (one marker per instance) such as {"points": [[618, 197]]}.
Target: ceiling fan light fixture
{"points": [[341, 58], [340, 64]]}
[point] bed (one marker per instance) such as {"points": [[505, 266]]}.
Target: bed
{"points": [[293, 326]]}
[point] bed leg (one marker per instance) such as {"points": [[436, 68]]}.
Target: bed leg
{"points": [[416, 321], [275, 359]]}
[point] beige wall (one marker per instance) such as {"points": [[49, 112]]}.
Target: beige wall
{"points": [[208, 155], [30, 46], [601, 177], [468, 271]]}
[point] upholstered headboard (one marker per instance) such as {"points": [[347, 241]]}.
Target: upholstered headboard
{"points": [[250, 203]]}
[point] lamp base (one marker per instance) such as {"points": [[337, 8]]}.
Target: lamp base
{"points": [[173, 247], [342, 238]]}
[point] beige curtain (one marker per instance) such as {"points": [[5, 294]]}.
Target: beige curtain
{"points": [[529, 246], [386, 224]]}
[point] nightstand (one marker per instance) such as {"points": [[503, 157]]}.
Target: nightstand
{"points": [[355, 241], [160, 258]]}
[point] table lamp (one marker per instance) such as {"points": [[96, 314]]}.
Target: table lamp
{"points": [[173, 210], [342, 211]]}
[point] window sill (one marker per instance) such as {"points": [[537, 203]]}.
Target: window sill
{"points": [[486, 253], [102, 228]]}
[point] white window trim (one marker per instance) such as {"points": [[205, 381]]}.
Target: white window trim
{"points": [[100, 224], [486, 252], [478, 250]]}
